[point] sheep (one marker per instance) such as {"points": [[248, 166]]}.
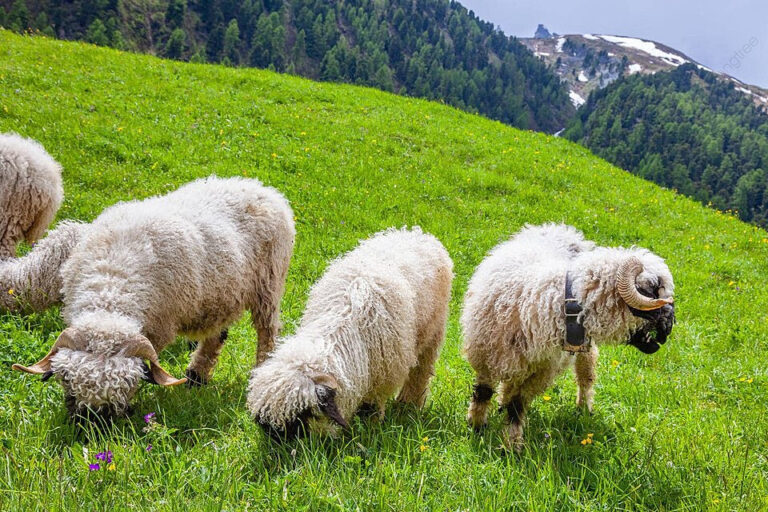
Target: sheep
{"points": [[30, 191], [189, 262], [513, 317], [373, 324], [33, 282]]}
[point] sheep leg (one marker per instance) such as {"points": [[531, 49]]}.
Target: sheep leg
{"points": [[477, 416], [517, 399], [204, 359], [586, 375], [265, 314], [416, 387]]}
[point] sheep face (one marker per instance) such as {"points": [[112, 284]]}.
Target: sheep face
{"points": [[287, 403], [654, 282], [95, 385]]}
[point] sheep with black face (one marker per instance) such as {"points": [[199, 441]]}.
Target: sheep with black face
{"points": [[373, 325], [514, 320], [186, 263]]}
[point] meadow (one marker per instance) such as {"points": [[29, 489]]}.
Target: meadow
{"points": [[683, 429]]}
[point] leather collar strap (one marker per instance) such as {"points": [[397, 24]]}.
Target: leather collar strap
{"points": [[575, 336]]}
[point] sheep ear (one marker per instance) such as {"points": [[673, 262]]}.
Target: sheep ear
{"points": [[325, 389], [43, 367]]}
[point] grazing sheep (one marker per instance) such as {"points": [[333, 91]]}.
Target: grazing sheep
{"points": [[189, 262], [374, 323], [30, 191], [33, 282], [514, 320]]}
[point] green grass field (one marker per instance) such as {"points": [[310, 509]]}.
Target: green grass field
{"points": [[684, 429]]}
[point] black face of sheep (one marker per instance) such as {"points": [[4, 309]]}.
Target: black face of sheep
{"points": [[295, 429], [87, 416], [299, 426], [658, 326]]}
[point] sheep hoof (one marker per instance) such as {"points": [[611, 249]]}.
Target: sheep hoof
{"points": [[367, 409], [513, 437], [194, 379]]}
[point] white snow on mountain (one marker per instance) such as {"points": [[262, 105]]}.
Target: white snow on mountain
{"points": [[583, 77], [576, 99], [647, 47], [590, 37], [559, 46], [635, 68]]}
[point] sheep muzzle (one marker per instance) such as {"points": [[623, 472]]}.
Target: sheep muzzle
{"points": [[657, 328]]}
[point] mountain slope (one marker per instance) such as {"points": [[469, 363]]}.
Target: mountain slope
{"points": [[587, 62], [433, 49], [683, 429], [685, 129]]}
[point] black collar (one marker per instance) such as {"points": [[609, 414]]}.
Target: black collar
{"points": [[575, 336]]}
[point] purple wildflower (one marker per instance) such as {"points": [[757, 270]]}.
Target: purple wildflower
{"points": [[94, 467], [149, 447], [104, 456], [148, 417], [546, 435]]}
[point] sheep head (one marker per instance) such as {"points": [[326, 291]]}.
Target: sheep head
{"points": [[100, 382], [645, 284], [285, 401]]}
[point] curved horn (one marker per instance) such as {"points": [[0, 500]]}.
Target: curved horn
{"points": [[43, 366], [625, 284], [142, 348]]}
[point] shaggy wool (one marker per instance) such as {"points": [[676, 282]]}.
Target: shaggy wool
{"points": [[190, 263], [30, 191], [373, 324]]}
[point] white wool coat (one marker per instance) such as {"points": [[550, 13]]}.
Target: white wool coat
{"points": [[189, 262], [366, 323], [30, 191], [513, 318]]}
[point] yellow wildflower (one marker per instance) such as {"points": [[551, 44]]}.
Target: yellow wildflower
{"points": [[111, 467], [546, 398], [11, 291], [615, 363]]}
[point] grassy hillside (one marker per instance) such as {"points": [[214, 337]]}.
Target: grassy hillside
{"points": [[683, 429]]}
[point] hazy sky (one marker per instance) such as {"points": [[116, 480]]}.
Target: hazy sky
{"points": [[711, 32]]}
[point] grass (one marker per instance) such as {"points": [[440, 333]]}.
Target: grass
{"points": [[683, 429]]}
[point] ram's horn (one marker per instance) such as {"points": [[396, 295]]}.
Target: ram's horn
{"points": [[43, 366], [142, 348], [625, 284]]}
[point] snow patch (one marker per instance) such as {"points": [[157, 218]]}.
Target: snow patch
{"points": [[590, 37], [582, 77], [576, 99], [542, 54], [559, 46], [745, 91], [647, 47], [635, 68]]}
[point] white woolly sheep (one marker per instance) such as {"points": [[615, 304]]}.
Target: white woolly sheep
{"points": [[30, 191], [33, 282], [514, 320], [374, 323], [189, 262]]}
